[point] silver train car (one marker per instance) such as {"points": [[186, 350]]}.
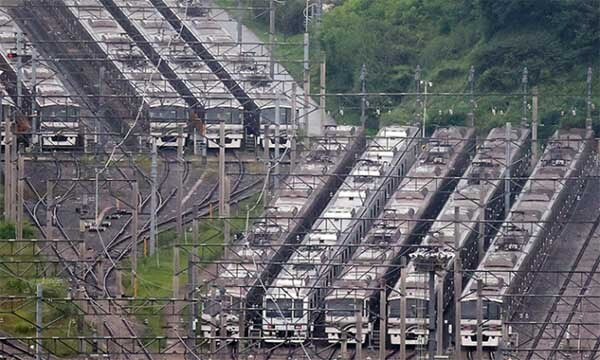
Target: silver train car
{"points": [[207, 90], [489, 162], [163, 108], [419, 197], [535, 221], [55, 114], [296, 204], [288, 311], [251, 69]]}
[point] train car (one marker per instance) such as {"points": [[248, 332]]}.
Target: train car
{"points": [[162, 107], [419, 197], [251, 69], [210, 98], [55, 112], [276, 116], [290, 302], [484, 183], [518, 251], [254, 258]]}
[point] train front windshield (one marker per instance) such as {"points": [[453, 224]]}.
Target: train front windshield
{"points": [[415, 308], [64, 113], [286, 308], [269, 116], [231, 116], [342, 307], [492, 310], [168, 114]]}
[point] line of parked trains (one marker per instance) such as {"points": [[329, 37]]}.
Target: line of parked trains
{"points": [[320, 278], [173, 85]]}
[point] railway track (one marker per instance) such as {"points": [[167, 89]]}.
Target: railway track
{"points": [[563, 330]]}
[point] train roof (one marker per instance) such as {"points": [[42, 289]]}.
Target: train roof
{"points": [[287, 207], [489, 162], [347, 203], [408, 203], [50, 88], [534, 208], [145, 78]]}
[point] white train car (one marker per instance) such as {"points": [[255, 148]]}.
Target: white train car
{"points": [[489, 163], [296, 203], [209, 93], [163, 108], [419, 197], [290, 302], [535, 221], [251, 69], [55, 111]]}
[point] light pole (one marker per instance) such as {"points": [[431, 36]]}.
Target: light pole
{"points": [[430, 261], [426, 86]]}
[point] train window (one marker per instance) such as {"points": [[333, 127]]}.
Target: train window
{"points": [[491, 310], [342, 307], [279, 308], [298, 308], [268, 115], [415, 308]]}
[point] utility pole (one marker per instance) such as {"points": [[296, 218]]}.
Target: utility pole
{"points": [[21, 202], [588, 119], [180, 167], [403, 274], [7, 165], [271, 38], [38, 321], [524, 82], [306, 72], [294, 123], [363, 95], [221, 165], [134, 237], [266, 143], [418, 90], [508, 165], [457, 285], [20, 71], [479, 319], [276, 165], [323, 103], [382, 320], [359, 324], [481, 225], [176, 261], [153, 200], [191, 298], [34, 126], [471, 114], [226, 220], [49, 205], [439, 333], [239, 24], [534, 127]]}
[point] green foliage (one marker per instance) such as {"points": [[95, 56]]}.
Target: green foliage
{"points": [[555, 39]]}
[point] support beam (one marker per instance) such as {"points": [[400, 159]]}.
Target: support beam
{"points": [[534, 127], [134, 236], [382, 321], [323, 100], [153, 199], [21, 191], [294, 122], [457, 286]]}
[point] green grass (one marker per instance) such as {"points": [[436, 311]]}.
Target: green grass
{"points": [[18, 316]]}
